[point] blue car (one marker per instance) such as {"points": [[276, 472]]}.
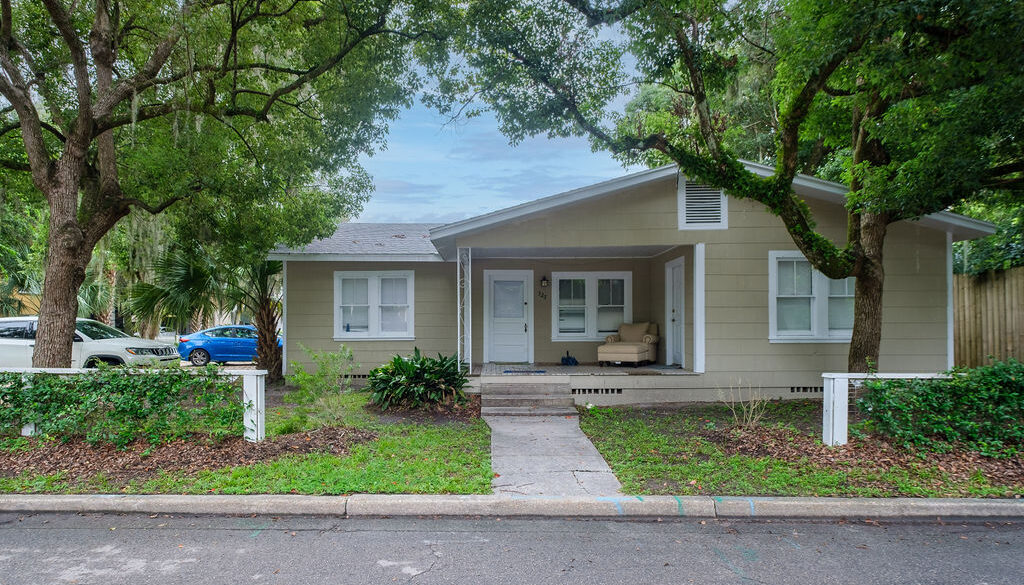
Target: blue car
{"points": [[230, 343]]}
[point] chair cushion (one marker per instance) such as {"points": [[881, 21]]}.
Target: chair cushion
{"points": [[623, 351], [633, 332]]}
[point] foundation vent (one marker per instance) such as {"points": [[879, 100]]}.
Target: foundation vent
{"points": [[805, 389], [597, 390]]}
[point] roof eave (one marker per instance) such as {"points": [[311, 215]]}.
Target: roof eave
{"points": [[305, 257]]}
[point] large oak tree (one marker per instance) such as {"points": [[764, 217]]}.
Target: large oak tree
{"points": [[919, 102], [249, 113]]}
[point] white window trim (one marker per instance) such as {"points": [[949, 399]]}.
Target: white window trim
{"points": [[722, 224], [373, 292], [820, 333], [590, 311]]}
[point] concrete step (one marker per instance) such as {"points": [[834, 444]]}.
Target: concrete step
{"points": [[526, 400], [505, 389], [527, 411]]}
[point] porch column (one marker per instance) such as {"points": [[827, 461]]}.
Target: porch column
{"points": [[698, 308], [464, 309]]}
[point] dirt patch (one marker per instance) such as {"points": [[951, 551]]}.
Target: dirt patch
{"points": [[440, 414], [139, 461]]}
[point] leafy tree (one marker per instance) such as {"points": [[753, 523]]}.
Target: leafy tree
{"points": [[186, 287], [1000, 251], [238, 110], [915, 105]]}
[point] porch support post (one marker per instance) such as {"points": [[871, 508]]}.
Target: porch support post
{"points": [[698, 308], [464, 309]]}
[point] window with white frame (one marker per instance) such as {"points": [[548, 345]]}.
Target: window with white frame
{"points": [[806, 305], [587, 306], [373, 305]]}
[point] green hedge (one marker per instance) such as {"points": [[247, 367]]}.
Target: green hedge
{"points": [[417, 381], [119, 405], [980, 408]]}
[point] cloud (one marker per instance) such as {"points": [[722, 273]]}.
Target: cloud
{"points": [[493, 146], [403, 187]]}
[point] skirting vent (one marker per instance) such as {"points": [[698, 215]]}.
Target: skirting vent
{"points": [[805, 389], [597, 390]]}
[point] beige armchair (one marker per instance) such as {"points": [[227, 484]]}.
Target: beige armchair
{"points": [[635, 343]]}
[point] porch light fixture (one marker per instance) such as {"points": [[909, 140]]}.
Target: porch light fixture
{"points": [[544, 282]]}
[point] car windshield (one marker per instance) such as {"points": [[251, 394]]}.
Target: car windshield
{"points": [[96, 330]]}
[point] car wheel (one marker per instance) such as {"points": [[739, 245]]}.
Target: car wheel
{"points": [[199, 357]]}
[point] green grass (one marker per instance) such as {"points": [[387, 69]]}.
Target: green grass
{"points": [[658, 453], [404, 458]]}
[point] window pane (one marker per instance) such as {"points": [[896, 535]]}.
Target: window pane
{"points": [[840, 313], [571, 320], [840, 288], [611, 291], [354, 291], [609, 319], [393, 291], [794, 314], [572, 291], [508, 299], [785, 277], [355, 319], [394, 319], [802, 277]]}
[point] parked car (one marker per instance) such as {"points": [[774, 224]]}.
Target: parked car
{"points": [[94, 343], [228, 343]]}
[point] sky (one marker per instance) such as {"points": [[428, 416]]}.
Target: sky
{"points": [[437, 173]]}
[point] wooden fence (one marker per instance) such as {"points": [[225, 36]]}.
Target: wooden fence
{"points": [[988, 316]]}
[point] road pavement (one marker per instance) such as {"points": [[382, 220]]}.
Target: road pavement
{"points": [[139, 549]]}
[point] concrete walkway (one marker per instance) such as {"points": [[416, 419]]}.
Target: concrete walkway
{"points": [[546, 456]]}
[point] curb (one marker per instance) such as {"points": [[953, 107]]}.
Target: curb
{"points": [[404, 505]]}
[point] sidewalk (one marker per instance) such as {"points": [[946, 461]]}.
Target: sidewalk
{"points": [[547, 456]]}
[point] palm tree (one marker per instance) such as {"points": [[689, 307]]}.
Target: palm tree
{"points": [[257, 289], [186, 288]]}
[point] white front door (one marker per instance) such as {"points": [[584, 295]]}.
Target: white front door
{"points": [[674, 311], [508, 321]]}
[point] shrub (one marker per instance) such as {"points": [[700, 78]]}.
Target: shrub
{"points": [[981, 408], [120, 405], [417, 381], [333, 373]]}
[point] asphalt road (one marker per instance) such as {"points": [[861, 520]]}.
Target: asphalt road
{"points": [[139, 549]]}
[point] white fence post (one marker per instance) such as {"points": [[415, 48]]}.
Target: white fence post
{"points": [[836, 397], [254, 383]]}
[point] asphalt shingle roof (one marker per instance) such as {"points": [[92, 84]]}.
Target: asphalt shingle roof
{"points": [[372, 238]]}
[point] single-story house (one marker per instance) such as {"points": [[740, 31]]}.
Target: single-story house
{"points": [[735, 304]]}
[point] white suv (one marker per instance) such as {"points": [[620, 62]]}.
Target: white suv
{"points": [[94, 343]]}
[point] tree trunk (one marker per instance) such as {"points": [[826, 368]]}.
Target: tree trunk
{"points": [[268, 354], [867, 304], [68, 256]]}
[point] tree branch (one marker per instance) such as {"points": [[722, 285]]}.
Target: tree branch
{"points": [[78, 58], [598, 16]]}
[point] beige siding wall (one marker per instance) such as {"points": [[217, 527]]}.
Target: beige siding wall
{"points": [[738, 351], [311, 311]]}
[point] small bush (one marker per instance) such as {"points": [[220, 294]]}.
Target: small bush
{"points": [[120, 405], [980, 408], [417, 381], [333, 373]]}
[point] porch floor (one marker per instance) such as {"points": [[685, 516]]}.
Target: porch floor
{"points": [[491, 369]]}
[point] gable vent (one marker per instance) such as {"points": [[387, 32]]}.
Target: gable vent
{"points": [[701, 206]]}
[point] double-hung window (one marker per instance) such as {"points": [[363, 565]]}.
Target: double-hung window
{"points": [[373, 305], [806, 305], [587, 306]]}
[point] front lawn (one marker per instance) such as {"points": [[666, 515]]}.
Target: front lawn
{"points": [[338, 445], [698, 450]]}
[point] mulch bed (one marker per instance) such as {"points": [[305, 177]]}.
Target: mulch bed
{"points": [[80, 461], [870, 453], [438, 414]]}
